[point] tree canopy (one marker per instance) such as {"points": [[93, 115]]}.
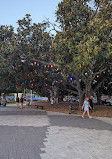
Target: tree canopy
{"points": [[83, 48], [78, 59]]}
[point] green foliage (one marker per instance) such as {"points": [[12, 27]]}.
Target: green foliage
{"points": [[26, 58], [7, 45], [83, 48]]}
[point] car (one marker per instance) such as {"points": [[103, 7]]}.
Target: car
{"points": [[71, 99], [106, 101], [109, 101]]}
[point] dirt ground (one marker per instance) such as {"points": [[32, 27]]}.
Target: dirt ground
{"points": [[63, 107]]}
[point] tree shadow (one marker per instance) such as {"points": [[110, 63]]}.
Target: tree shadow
{"points": [[30, 113], [28, 139], [77, 121]]}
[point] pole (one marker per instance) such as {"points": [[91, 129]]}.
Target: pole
{"points": [[31, 96], [24, 91]]}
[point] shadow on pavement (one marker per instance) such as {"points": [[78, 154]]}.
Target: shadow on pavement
{"points": [[23, 142], [2, 113], [77, 121]]}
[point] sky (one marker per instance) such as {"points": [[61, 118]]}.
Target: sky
{"points": [[13, 10]]}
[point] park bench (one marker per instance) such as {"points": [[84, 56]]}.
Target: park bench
{"points": [[40, 107], [72, 109], [36, 104]]}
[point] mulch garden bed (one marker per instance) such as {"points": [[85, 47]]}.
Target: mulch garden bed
{"points": [[63, 107]]}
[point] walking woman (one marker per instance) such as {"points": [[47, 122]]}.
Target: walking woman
{"points": [[17, 101], [22, 100], [86, 106]]}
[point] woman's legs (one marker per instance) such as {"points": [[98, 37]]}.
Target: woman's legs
{"points": [[83, 114], [17, 104], [88, 115], [21, 106]]}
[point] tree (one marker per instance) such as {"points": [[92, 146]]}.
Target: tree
{"points": [[26, 58], [81, 50], [7, 42], [32, 59]]}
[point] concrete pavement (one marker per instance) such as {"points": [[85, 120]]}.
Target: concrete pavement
{"points": [[36, 134]]}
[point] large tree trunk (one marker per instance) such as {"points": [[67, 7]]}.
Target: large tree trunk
{"points": [[99, 97], [81, 99], [88, 89]]}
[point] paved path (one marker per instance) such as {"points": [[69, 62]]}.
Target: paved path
{"points": [[36, 134]]}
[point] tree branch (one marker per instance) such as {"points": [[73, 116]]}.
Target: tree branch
{"points": [[84, 79], [100, 71], [95, 89], [71, 91], [98, 4], [73, 85], [94, 13], [54, 27], [46, 63]]}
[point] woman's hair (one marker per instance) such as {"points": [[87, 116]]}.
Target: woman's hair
{"points": [[86, 98]]}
